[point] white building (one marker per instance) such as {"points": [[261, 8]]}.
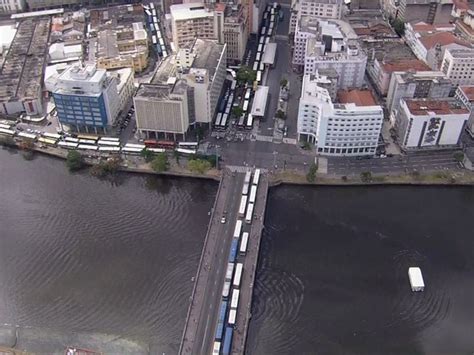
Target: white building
{"points": [[325, 9], [427, 123], [465, 94], [348, 128], [86, 98], [329, 44], [458, 65], [125, 85], [190, 21], [12, 6]]}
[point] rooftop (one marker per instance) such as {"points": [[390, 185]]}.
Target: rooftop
{"points": [[405, 65], [462, 53], [468, 91], [376, 30], [442, 39], [357, 97], [390, 51], [189, 11], [116, 17], [207, 55], [423, 107], [461, 4]]}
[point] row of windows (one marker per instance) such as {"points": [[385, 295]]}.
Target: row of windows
{"points": [[346, 150]]}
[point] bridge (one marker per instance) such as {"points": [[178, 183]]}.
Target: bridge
{"points": [[204, 317]]}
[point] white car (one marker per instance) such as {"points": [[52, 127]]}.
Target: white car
{"points": [[223, 220]]}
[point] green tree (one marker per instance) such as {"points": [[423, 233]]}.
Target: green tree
{"points": [[246, 75], [458, 156], [237, 111], [283, 82], [399, 26], [176, 156], [306, 145], [199, 133], [280, 114], [366, 176], [147, 155], [74, 160], [160, 162], [311, 175], [199, 165]]}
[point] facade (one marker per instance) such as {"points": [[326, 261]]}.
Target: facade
{"points": [[324, 9], [235, 32], [125, 85], [458, 65], [465, 24], [35, 5], [429, 11], [22, 71], [465, 94], [191, 21], [12, 6], [430, 124], [416, 85], [349, 128], [87, 99]]}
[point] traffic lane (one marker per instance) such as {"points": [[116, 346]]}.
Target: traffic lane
{"points": [[208, 324], [283, 26]]}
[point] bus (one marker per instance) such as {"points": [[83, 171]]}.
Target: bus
{"points": [[253, 194], [217, 122], [255, 66], [131, 145], [262, 40], [263, 31], [238, 229], [261, 67], [248, 176], [27, 136], [188, 145], [157, 150], [185, 151], [87, 141], [219, 331], [229, 272], [243, 206], [51, 135], [225, 116], [249, 121], [109, 149], [47, 141], [258, 56], [71, 140], [243, 243], [259, 76], [67, 145], [131, 150], [152, 143], [247, 94], [246, 105], [260, 47], [233, 250], [256, 177], [227, 347], [110, 139], [245, 189], [88, 137], [216, 348], [226, 290], [153, 39], [108, 143], [248, 217], [238, 275], [6, 131], [232, 317], [234, 303], [222, 311], [88, 147]]}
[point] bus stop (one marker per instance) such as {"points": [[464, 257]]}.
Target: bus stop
{"points": [[269, 54], [260, 101]]}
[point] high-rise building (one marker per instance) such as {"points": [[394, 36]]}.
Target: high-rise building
{"points": [[12, 6], [324, 9], [465, 94], [416, 85], [430, 124], [350, 127], [87, 99], [429, 11], [458, 65]]}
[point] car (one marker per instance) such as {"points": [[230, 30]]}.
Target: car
{"points": [[223, 219], [19, 128], [49, 123]]}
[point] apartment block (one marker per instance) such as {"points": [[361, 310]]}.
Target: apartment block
{"points": [[12, 6], [324, 9], [429, 11], [465, 94], [458, 65], [348, 128]]}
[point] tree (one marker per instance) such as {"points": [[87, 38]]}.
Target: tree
{"points": [[147, 155], [199, 165], [74, 160], [311, 175], [199, 133], [459, 157], [246, 75], [160, 162], [176, 156], [283, 82], [280, 114], [306, 145], [366, 176], [237, 111], [399, 26]]}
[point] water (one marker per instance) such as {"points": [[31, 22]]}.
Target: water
{"points": [[100, 262], [332, 275]]}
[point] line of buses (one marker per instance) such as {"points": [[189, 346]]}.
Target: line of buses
{"points": [[233, 277], [225, 108], [106, 145], [156, 33]]}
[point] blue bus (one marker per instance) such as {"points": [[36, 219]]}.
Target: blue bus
{"points": [[223, 311], [226, 349], [219, 330], [233, 250]]}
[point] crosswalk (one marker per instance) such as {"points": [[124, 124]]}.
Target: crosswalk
{"points": [[242, 169]]}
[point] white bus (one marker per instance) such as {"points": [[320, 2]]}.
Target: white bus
{"points": [[188, 145], [263, 31], [7, 131], [253, 194], [243, 243], [156, 150], [131, 150], [108, 143], [259, 76], [51, 135], [262, 40], [260, 47], [249, 121], [186, 151], [226, 290], [258, 56], [245, 189], [243, 206], [238, 275], [109, 149], [87, 147], [131, 145], [246, 105], [27, 135], [261, 67], [110, 139], [255, 66], [230, 272], [67, 145], [248, 175], [71, 139], [232, 316], [218, 119], [225, 116], [248, 218], [235, 299], [238, 228], [161, 42], [87, 141], [256, 177], [217, 348], [247, 94], [153, 39]]}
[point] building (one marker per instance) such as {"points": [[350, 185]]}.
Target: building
{"points": [[329, 44], [351, 127], [22, 71], [87, 99], [12, 6], [430, 124], [381, 72], [190, 21], [125, 86], [68, 29], [324, 9], [465, 25], [36, 5], [235, 32], [458, 65], [469, 158], [416, 85], [465, 94], [59, 52], [429, 11], [184, 91]]}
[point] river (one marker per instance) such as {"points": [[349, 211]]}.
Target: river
{"points": [[332, 275], [95, 263]]}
